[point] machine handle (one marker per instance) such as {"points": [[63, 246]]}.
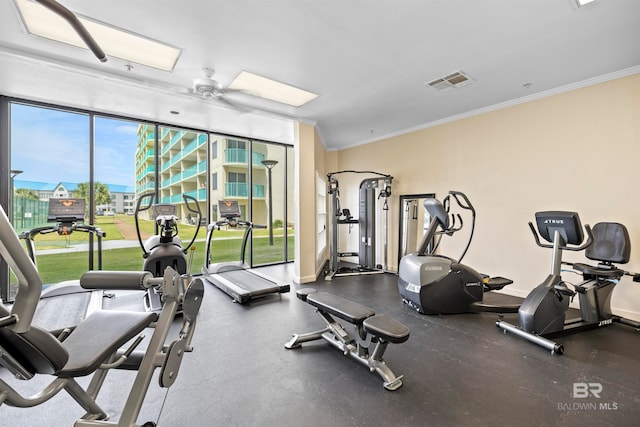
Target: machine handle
{"points": [[585, 245], [198, 212], [467, 204], [149, 196]]}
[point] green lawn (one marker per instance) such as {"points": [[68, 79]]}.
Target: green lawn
{"points": [[226, 244], [54, 268]]}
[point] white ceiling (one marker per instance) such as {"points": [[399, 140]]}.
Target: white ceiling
{"points": [[368, 60]]}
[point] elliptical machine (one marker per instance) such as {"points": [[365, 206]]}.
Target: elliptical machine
{"points": [[165, 248], [542, 313], [437, 284]]}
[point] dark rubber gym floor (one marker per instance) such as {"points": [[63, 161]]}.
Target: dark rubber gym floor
{"points": [[459, 370]]}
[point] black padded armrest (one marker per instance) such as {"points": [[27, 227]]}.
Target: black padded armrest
{"points": [[100, 335], [341, 307]]}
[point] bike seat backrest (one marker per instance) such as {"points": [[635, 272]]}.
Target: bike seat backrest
{"points": [[611, 243], [436, 209], [566, 223], [36, 350]]}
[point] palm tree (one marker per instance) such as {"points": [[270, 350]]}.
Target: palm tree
{"points": [[101, 193], [25, 193]]}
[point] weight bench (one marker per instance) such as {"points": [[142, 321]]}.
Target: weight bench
{"points": [[103, 341], [369, 328]]}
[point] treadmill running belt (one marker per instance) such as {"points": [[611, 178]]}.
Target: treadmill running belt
{"points": [[242, 285]]}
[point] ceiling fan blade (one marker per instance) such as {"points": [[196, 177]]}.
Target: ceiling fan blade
{"points": [[235, 105]]}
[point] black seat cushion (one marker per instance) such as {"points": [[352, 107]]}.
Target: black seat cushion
{"points": [[386, 328], [340, 307], [36, 350], [610, 243], [99, 336]]}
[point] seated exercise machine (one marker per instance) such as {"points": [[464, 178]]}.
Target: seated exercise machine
{"points": [[236, 278], [437, 284], [369, 329], [542, 313], [164, 249], [92, 347]]}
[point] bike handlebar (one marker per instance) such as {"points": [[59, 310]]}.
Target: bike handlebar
{"points": [[585, 245]]}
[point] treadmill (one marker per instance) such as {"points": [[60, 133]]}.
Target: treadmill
{"points": [[237, 279]]}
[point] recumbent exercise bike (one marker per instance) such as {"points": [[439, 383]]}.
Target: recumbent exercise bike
{"points": [[542, 313]]}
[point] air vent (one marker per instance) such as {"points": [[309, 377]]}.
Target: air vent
{"points": [[451, 81]]}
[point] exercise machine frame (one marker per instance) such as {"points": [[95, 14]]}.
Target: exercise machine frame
{"points": [[542, 315], [237, 279], [366, 225], [436, 284], [68, 214], [92, 347], [165, 249]]}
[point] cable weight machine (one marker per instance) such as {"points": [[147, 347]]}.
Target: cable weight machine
{"points": [[371, 190]]}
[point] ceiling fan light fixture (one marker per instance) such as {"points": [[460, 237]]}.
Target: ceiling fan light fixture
{"points": [[271, 89], [117, 43], [206, 87]]}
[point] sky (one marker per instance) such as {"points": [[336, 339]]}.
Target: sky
{"points": [[53, 146]]}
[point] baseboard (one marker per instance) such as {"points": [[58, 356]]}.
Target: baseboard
{"points": [[514, 292], [628, 314]]}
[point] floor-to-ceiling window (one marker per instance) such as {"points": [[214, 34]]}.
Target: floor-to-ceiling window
{"points": [[258, 175], [107, 161], [50, 151]]}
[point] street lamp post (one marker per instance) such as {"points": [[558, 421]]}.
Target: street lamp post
{"points": [[269, 164], [14, 173]]}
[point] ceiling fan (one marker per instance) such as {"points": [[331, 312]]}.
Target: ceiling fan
{"points": [[208, 88]]}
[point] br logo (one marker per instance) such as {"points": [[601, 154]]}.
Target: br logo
{"points": [[584, 390]]}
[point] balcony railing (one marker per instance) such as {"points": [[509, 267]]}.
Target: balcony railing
{"points": [[146, 171], [187, 173], [200, 195], [239, 155], [241, 189]]}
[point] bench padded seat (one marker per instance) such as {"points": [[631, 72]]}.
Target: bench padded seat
{"points": [[386, 328], [99, 336], [341, 307]]}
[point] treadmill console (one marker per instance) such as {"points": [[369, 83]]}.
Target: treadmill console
{"points": [[66, 211], [228, 209]]}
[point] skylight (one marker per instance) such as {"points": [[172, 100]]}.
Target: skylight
{"points": [[118, 43], [271, 89], [581, 3]]}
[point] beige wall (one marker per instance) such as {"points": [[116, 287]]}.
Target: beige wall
{"points": [[311, 157], [577, 151]]}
